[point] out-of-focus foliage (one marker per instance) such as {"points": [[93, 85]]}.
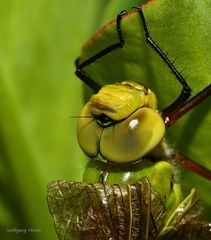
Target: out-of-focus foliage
{"points": [[39, 41]]}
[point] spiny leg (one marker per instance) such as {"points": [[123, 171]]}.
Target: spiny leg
{"points": [[186, 91], [179, 107], [193, 166], [81, 73], [174, 116]]}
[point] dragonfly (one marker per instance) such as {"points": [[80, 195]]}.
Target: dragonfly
{"points": [[130, 189]]}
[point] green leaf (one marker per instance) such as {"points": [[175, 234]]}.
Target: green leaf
{"points": [[183, 30]]}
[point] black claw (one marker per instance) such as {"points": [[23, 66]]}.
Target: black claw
{"points": [[122, 13], [77, 62]]}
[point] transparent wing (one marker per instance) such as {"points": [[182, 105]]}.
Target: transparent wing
{"points": [[188, 210], [98, 211], [190, 231], [153, 210], [184, 222], [157, 215], [81, 211]]}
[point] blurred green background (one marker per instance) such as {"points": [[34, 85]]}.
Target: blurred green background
{"points": [[39, 41]]}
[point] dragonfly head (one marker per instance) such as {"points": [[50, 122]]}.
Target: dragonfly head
{"points": [[121, 123]]}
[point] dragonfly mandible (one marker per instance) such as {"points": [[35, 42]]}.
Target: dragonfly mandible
{"points": [[130, 190]]}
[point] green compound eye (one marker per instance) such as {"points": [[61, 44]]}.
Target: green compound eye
{"points": [[123, 140], [132, 138]]}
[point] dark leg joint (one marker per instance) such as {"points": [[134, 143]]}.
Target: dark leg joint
{"points": [[81, 73], [187, 90], [77, 62], [119, 32], [85, 78], [171, 117]]}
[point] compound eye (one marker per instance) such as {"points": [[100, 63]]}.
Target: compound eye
{"points": [[133, 137], [104, 121]]}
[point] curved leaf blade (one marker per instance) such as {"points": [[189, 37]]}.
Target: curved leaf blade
{"points": [[181, 28]]}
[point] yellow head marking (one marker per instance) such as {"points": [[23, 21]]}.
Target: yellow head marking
{"points": [[118, 101]]}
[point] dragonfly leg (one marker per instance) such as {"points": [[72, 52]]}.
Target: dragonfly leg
{"points": [[81, 73], [103, 176], [193, 166], [180, 106], [186, 91], [174, 116]]}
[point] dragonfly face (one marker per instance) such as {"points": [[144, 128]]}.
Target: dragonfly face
{"points": [[120, 123]]}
